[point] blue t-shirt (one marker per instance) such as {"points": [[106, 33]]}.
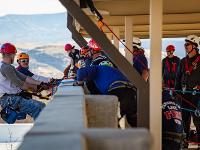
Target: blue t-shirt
{"points": [[24, 71], [140, 63], [103, 76]]}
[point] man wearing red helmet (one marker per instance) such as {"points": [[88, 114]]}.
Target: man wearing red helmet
{"points": [[74, 57], [97, 54], [171, 125], [97, 58], [170, 67], [12, 83]]}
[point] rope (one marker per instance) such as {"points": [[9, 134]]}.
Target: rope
{"points": [[185, 100], [121, 42], [193, 92]]}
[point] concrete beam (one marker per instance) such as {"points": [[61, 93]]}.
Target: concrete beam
{"points": [[116, 30], [109, 36], [76, 36], [129, 38], [101, 111]]}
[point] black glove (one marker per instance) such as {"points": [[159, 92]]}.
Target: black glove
{"points": [[78, 84], [42, 86], [55, 81]]}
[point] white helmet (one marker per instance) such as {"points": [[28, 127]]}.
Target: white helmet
{"points": [[106, 63], [136, 42], [194, 39]]}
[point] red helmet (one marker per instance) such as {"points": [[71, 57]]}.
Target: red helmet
{"points": [[69, 47], [92, 44], [170, 48], [8, 48]]}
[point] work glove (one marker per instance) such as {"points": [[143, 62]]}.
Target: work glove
{"points": [[55, 81], [43, 86], [78, 84]]}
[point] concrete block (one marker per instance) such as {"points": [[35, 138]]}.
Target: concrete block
{"points": [[62, 114], [53, 141], [101, 111], [66, 90], [67, 82], [115, 139]]}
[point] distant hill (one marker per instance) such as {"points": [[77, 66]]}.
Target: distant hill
{"points": [[40, 29]]}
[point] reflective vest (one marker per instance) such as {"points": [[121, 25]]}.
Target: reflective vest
{"points": [[170, 71], [191, 73]]}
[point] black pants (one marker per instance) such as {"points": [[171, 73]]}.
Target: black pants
{"points": [[194, 99], [170, 145], [92, 87], [128, 104]]}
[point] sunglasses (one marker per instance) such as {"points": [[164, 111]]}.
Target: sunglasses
{"points": [[24, 60], [187, 44]]}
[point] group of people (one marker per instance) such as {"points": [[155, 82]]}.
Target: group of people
{"points": [[92, 67], [17, 86], [181, 85], [181, 95]]}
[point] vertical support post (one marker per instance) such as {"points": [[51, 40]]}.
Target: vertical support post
{"points": [[109, 36], [128, 38], [117, 32], [156, 14]]}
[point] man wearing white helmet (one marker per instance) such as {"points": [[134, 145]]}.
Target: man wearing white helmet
{"points": [[188, 79], [139, 60]]}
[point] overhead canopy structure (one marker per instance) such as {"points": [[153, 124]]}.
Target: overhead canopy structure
{"points": [[180, 18]]}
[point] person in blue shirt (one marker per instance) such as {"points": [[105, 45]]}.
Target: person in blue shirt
{"points": [[139, 60], [96, 56], [110, 81]]}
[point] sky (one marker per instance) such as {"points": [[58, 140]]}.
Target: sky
{"points": [[30, 7]]}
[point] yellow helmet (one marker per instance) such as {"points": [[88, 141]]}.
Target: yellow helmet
{"points": [[22, 56]]}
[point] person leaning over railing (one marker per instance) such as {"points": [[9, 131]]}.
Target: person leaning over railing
{"points": [[110, 81]]}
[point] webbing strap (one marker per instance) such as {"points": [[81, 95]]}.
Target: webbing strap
{"points": [[188, 69]]}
